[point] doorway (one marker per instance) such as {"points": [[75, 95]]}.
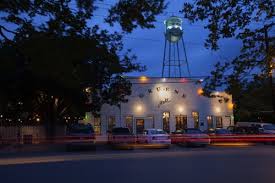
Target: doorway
{"points": [[210, 123], [165, 121], [139, 126], [181, 122], [196, 120]]}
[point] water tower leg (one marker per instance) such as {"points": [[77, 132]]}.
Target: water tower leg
{"points": [[179, 59], [169, 65], [174, 60], [187, 64], [163, 62]]}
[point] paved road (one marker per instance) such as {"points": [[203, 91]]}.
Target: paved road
{"points": [[213, 164]]}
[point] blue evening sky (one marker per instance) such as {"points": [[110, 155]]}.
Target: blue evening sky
{"points": [[148, 44]]}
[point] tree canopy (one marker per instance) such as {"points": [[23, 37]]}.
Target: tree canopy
{"points": [[251, 22], [54, 60]]}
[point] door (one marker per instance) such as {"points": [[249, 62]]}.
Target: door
{"points": [[97, 125], [210, 123], [129, 123], [165, 121], [181, 122], [219, 123], [139, 126], [196, 120]]}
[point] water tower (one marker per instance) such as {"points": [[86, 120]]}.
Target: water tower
{"points": [[174, 49]]}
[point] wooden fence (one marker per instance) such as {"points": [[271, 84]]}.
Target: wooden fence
{"points": [[27, 134]]}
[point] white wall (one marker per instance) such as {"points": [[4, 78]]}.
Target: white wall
{"points": [[142, 103]]}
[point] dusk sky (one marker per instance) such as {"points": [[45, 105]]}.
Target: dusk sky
{"points": [[148, 44]]}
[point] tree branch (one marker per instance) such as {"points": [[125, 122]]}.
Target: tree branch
{"points": [[3, 35]]}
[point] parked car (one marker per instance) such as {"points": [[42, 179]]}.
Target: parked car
{"points": [[244, 130], [253, 133], [267, 129], [80, 136], [268, 133], [220, 135], [177, 137], [261, 128], [121, 138], [191, 137], [218, 132], [154, 136]]}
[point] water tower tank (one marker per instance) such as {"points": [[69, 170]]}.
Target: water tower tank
{"points": [[173, 29]]}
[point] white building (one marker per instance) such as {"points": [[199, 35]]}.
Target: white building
{"points": [[166, 103]]}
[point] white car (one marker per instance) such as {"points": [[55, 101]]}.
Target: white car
{"points": [[154, 136]]}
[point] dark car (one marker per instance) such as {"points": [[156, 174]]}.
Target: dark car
{"points": [[246, 133], [244, 130], [218, 132], [220, 135], [80, 136], [121, 137]]}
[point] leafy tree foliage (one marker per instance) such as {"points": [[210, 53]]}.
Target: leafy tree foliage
{"points": [[251, 22], [53, 61]]}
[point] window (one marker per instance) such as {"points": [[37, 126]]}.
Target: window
{"points": [[195, 116], [181, 122], [97, 125], [210, 122], [165, 119], [111, 122], [129, 122], [219, 122]]}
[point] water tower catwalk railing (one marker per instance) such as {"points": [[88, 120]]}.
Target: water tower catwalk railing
{"points": [[174, 56]]}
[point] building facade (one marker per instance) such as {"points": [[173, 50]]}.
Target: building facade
{"points": [[167, 103]]}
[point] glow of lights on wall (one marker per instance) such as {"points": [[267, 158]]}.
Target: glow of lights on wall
{"points": [[143, 78], [230, 106], [183, 80], [163, 94], [200, 91], [218, 110], [139, 108], [180, 109]]}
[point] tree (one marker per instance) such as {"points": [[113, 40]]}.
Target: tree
{"points": [[56, 60], [252, 23]]}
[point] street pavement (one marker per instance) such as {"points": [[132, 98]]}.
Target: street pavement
{"points": [[247, 164]]}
